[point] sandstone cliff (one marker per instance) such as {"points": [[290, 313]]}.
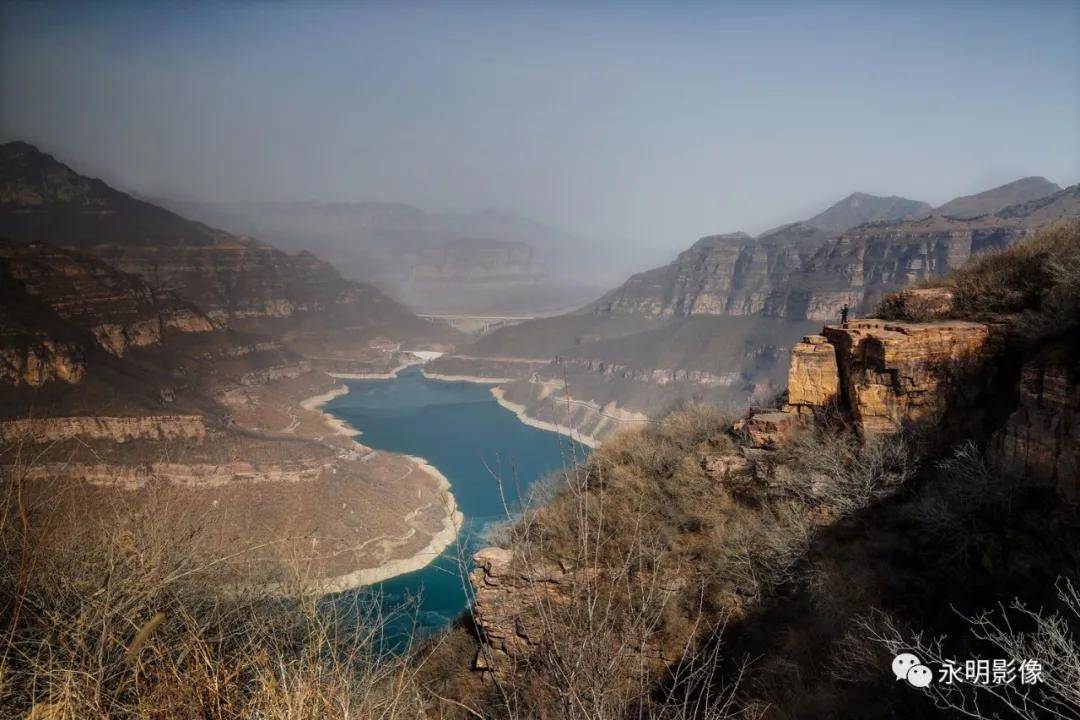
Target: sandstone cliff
{"points": [[119, 310], [100, 427], [870, 260], [1042, 436], [885, 374]]}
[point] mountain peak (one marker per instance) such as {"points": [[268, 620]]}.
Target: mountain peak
{"points": [[41, 198], [859, 208], [989, 201]]}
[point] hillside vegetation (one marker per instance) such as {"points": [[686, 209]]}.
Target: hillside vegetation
{"points": [[1034, 286], [684, 570]]}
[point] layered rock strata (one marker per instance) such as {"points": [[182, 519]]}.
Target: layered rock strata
{"points": [[1042, 436], [98, 427]]}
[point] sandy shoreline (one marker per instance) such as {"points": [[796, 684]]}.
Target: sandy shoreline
{"points": [[422, 356], [340, 427], [466, 378], [499, 394], [442, 539], [519, 410], [446, 536]]}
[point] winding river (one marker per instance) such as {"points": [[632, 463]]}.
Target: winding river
{"points": [[460, 429]]}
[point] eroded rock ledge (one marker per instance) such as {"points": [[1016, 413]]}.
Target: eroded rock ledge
{"points": [[885, 374], [100, 427]]}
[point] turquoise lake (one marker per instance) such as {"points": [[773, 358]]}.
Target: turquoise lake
{"points": [[460, 429]]}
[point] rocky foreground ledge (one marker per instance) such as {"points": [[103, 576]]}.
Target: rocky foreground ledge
{"points": [[877, 377]]}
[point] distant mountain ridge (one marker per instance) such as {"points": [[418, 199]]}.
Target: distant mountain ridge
{"points": [[648, 342], [237, 281], [391, 245], [995, 199], [41, 198], [867, 261], [861, 208], [734, 274]]}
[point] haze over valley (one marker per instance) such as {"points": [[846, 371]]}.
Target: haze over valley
{"points": [[546, 360]]}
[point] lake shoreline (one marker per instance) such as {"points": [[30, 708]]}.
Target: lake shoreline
{"points": [[453, 520], [440, 540], [519, 410]]}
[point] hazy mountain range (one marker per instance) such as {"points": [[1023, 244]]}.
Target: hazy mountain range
{"points": [[653, 340], [430, 260], [716, 323]]}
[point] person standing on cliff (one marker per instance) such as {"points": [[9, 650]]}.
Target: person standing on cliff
{"points": [[843, 315]]}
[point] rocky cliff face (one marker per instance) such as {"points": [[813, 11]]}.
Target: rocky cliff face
{"points": [[884, 375], [119, 310], [99, 427], [867, 261], [1042, 436], [720, 275], [864, 263], [34, 361]]}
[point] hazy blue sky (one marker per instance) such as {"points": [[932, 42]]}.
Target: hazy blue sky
{"points": [[653, 122]]}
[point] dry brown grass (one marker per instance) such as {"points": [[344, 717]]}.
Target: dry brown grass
{"points": [[666, 554], [117, 617], [1036, 282]]}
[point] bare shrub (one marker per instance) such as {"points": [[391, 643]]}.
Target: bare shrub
{"points": [[613, 637], [836, 472], [119, 617], [1013, 632], [1036, 280]]}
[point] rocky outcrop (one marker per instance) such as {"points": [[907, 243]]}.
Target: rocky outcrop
{"points": [[946, 374], [918, 304], [813, 380], [768, 429], [98, 427], [35, 361], [884, 374], [118, 310], [897, 373], [1042, 436], [507, 598]]}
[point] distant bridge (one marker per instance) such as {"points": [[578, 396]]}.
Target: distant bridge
{"points": [[478, 324]]}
